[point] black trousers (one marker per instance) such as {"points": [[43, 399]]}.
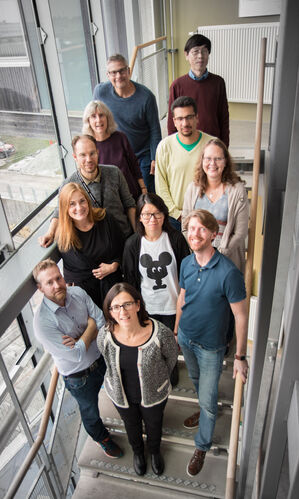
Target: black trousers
{"points": [[153, 420]]}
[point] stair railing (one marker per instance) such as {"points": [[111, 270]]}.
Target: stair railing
{"points": [[234, 434], [142, 46]]}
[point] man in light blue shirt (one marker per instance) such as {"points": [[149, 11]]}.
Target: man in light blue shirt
{"points": [[67, 323]]}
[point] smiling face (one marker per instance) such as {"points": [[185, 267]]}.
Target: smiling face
{"points": [[52, 284], [213, 162], [185, 121], [78, 208], [86, 157], [199, 237], [198, 58], [98, 123], [152, 219], [118, 74], [126, 316]]}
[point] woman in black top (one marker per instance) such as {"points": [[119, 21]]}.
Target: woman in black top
{"points": [[90, 242]]}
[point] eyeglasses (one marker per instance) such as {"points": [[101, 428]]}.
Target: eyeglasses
{"points": [[128, 305], [121, 71], [148, 216], [180, 119], [195, 52], [212, 160]]}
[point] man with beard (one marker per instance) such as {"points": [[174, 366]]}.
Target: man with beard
{"points": [[177, 156], [211, 287]]}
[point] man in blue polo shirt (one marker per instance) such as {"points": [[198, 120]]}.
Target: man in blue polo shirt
{"points": [[211, 286]]}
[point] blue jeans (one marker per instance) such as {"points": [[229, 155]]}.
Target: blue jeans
{"points": [[204, 368], [149, 179], [86, 391]]}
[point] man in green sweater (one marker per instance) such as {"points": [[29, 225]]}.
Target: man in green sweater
{"points": [[177, 156]]}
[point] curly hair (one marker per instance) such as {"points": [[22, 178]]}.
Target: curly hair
{"points": [[229, 175], [97, 106], [66, 235]]}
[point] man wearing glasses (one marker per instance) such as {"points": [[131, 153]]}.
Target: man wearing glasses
{"points": [[177, 156], [135, 111], [207, 89]]}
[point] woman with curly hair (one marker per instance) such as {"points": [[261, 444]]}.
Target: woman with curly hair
{"points": [[113, 146], [217, 188], [90, 242]]}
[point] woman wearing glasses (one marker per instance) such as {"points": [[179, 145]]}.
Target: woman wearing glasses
{"points": [[140, 354], [152, 258], [113, 146], [218, 189]]}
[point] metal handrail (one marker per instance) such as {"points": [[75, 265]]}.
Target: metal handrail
{"points": [[39, 439], [142, 46], [234, 435]]}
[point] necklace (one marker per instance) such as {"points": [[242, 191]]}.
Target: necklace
{"points": [[215, 192]]}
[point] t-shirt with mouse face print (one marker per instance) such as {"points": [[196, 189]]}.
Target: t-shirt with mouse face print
{"points": [[159, 277]]}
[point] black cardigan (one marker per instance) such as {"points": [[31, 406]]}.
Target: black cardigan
{"points": [[131, 254]]}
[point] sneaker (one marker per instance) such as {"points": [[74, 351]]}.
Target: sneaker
{"points": [[192, 421], [110, 448], [196, 462]]}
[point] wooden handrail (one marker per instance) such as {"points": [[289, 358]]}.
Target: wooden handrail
{"points": [[39, 439], [142, 46], [234, 435]]}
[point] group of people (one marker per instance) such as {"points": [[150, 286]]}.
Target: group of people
{"points": [[151, 234]]}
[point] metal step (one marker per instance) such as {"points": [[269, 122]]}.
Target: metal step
{"points": [[210, 482]]}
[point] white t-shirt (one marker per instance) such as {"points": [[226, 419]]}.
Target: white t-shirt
{"points": [[159, 276]]}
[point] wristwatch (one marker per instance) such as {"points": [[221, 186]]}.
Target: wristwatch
{"points": [[240, 357]]}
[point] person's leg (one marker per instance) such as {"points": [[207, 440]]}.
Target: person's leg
{"points": [[149, 179], [86, 391], [132, 419], [167, 320], [190, 358], [153, 421]]}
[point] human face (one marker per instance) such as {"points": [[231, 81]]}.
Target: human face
{"points": [[52, 284], [98, 123], [199, 237], [198, 58], [185, 120], [86, 157], [213, 162], [125, 317], [118, 74], [78, 208], [156, 220]]}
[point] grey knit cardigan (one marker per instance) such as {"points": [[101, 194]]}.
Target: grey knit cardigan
{"points": [[155, 362]]}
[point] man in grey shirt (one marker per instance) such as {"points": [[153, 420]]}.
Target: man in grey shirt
{"points": [[66, 323], [105, 185]]}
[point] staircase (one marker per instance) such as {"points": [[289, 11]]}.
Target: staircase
{"points": [[102, 477]]}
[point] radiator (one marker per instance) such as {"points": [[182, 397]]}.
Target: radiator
{"points": [[235, 56], [252, 317]]}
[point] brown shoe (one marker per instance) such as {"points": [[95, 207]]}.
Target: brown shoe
{"points": [[196, 462], [192, 421]]}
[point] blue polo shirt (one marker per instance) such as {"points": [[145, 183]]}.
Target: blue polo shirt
{"points": [[209, 292]]}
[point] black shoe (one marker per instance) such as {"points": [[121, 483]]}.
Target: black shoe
{"points": [[157, 463], [139, 464]]}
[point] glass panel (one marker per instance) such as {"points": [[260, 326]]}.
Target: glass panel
{"points": [[30, 165], [11, 34]]}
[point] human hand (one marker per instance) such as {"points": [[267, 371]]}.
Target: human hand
{"points": [[104, 269], [46, 240], [241, 366], [153, 166], [69, 341]]}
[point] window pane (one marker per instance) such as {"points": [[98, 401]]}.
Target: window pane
{"points": [[11, 34]]}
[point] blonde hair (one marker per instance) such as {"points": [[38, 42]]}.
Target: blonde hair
{"points": [[41, 266], [95, 106], [66, 234]]}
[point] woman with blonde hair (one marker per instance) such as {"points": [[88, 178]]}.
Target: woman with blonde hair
{"points": [[218, 189], [90, 242], [113, 146]]}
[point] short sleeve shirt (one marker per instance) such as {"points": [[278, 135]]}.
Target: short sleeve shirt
{"points": [[209, 290]]}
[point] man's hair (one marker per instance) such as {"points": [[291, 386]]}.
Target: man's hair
{"points": [[97, 106], [183, 101], [207, 219], [41, 266], [197, 41], [154, 199], [82, 137], [117, 58], [66, 235]]}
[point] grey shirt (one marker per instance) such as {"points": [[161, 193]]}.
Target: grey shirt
{"points": [[111, 192]]}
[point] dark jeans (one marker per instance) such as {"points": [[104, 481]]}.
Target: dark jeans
{"points": [[86, 391], [153, 420], [175, 223], [149, 179]]}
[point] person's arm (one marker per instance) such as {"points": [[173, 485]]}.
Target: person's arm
{"points": [[161, 181], [48, 238], [187, 207], [239, 310], [170, 124], [152, 118], [240, 229], [153, 167], [142, 185], [131, 214], [169, 348], [179, 305], [88, 335], [130, 261]]}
